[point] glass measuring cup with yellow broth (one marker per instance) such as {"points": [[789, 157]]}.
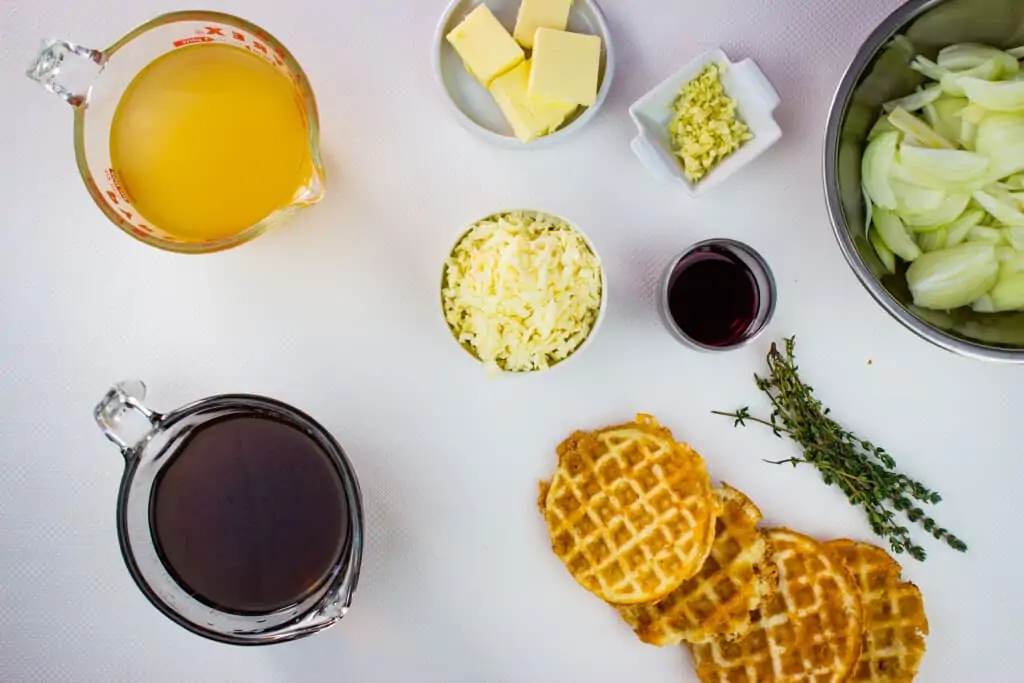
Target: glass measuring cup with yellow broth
{"points": [[194, 133]]}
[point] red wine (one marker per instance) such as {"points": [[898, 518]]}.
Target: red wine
{"points": [[250, 516], [713, 296]]}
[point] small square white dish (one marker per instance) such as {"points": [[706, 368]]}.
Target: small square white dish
{"points": [[744, 82], [476, 109]]}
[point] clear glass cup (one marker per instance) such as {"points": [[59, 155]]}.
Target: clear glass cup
{"points": [[761, 282], [93, 81], [149, 442]]}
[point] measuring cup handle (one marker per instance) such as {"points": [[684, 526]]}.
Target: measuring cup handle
{"points": [[123, 418], [75, 82]]}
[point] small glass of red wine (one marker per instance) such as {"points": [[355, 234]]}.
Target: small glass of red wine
{"points": [[717, 295]]}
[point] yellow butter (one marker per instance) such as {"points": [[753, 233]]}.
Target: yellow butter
{"points": [[530, 118], [535, 14], [565, 66], [486, 48]]}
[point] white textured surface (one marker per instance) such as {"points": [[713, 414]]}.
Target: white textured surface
{"points": [[338, 314]]}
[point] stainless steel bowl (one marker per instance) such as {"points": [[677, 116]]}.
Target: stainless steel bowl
{"points": [[880, 72]]}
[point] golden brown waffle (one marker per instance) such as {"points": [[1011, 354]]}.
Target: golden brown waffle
{"points": [[718, 601], [630, 512], [807, 631], [894, 620]]}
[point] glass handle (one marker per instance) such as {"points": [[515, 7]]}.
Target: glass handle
{"points": [[76, 77], [123, 418]]}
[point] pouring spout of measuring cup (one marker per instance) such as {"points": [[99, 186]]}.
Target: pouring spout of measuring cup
{"points": [[69, 79]]}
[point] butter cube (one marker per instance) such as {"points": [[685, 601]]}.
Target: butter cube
{"points": [[565, 67], [530, 118], [534, 14], [486, 48]]}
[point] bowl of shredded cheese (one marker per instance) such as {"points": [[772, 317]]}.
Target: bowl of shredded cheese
{"points": [[523, 291]]}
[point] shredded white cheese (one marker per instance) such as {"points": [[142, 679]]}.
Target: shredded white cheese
{"points": [[522, 291]]}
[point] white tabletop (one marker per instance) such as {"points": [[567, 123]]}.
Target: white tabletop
{"points": [[338, 314]]}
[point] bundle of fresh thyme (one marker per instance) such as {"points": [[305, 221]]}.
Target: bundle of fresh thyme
{"points": [[864, 472]]}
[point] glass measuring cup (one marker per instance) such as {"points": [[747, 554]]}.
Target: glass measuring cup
{"points": [[93, 82], [151, 444]]}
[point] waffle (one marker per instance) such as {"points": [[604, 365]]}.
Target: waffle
{"points": [[894, 620], [807, 631], [719, 600], [630, 512]]}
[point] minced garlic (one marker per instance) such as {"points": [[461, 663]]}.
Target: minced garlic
{"points": [[522, 291], [704, 128]]}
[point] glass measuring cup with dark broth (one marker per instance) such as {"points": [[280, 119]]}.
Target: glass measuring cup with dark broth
{"points": [[249, 515], [239, 517], [717, 295]]}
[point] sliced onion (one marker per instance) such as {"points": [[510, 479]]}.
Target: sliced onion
{"points": [[946, 212], [894, 233], [884, 253], [983, 305], [919, 130], [932, 241], [950, 181], [943, 168], [947, 116], [968, 133], [1010, 260], [1004, 213], [998, 96], [881, 126], [956, 232], [915, 101], [973, 113], [964, 56], [868, 209], [876, 169], [952, 82], [1005, 253], [984, 234], [928, 68], [953, 277], [914, 198], [1008, 292], [1015, 236], [1001, 138]]}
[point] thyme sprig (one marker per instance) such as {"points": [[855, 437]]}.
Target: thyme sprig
{"points": [[866, 473]]}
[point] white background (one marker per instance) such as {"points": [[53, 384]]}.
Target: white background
{"points": [[338, 314]]}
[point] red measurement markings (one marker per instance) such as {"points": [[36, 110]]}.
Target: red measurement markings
{"points": [[111, 175], [192, 41]]}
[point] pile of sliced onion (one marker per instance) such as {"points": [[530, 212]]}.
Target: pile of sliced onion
{"points": [[943, 178]]}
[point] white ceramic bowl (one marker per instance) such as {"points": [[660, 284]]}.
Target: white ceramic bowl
{"points": [[604, 289], [744, 82], [474, 107]]}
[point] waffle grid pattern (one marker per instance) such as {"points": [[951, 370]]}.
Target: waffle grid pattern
{"points": [[732, 583], [630, 512], [894, 619], [808, 631]]}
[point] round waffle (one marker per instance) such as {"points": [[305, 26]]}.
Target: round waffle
{"points": [[807, 631], [719, 600], [630, 512], [894, 620]]}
